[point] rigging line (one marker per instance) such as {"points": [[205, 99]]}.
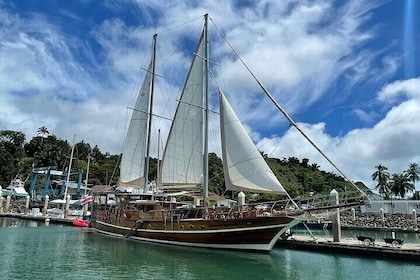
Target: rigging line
{"points": [[195, 105], [157, 75], [154, 115], [291, 121], [179, 25]]}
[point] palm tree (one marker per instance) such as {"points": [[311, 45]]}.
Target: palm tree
{"points": [[400, 184], [413, 173], [42, 131], [381, 175]]}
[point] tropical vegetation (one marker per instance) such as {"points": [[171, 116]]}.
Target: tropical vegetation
{"points": [[299, 176], [397, 184]]}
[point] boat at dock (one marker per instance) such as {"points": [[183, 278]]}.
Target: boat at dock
{"points": [[15, 189], [81, 223], [150, 211]]}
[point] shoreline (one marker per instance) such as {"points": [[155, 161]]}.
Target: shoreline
{"points": [[374, 221]]}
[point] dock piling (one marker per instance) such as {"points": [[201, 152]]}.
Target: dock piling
{"points": [[44, 210], [336, 227], [7, 208]]}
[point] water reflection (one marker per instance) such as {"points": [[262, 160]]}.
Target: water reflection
{"points": [[64, 252]]}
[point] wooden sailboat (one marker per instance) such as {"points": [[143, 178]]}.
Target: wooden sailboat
{"points": [[156, 217]]}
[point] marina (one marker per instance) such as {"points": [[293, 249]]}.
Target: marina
{"points": [[354, 241], [66, 252], [209, 176]]}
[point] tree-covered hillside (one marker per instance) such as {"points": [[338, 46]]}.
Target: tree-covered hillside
{"points": [[17, 156]]}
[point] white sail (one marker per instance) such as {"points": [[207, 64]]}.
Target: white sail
{"points": [[182, 162], [134, 152], [244, 167]]}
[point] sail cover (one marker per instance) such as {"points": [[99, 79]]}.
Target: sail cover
{"points": [[244, 167], [182, 162], [134, 152]]}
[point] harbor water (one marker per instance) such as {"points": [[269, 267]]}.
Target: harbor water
{"points": [[34, 250]]}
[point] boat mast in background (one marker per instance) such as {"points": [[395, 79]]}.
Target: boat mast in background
{"points": [[69, 171]]}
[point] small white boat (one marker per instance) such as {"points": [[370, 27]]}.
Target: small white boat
{"points": [[15, 189]]}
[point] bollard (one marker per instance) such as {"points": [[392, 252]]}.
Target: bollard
{"points": [[85, 210], [1, 204], [353, 215], [241, 202], [414, 219], [393, 234], [44, 210], [7, 203], [336, 227], [66, 212], [27, 204]]}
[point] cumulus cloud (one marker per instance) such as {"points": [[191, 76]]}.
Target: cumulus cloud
{"points": [[393, 141], [404, 88], [78, 76]]}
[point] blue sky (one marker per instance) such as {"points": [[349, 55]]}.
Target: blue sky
{"points": [[346, 71]]}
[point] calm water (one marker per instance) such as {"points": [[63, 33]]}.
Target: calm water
{"points": [[31, 250]]}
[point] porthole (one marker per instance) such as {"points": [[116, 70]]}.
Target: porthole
{"points": [[164, 226], [181, 227], [202, 226], [149, 226], [191, 226]]}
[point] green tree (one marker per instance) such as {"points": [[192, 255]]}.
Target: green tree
{"points": [[400, 184], [413, 173], [42, 131], [381, 175], [11, 154]]}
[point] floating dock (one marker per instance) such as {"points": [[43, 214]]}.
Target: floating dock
{"points": [[407, 251], [56, 220]]}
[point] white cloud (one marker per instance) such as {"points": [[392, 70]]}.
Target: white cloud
{"points": [[299, 50], [393, 141], [406, 88]]}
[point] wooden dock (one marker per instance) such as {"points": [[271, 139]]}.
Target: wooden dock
{"points": [[379, 248]]}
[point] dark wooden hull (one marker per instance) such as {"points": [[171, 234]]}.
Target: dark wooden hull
{"points": [[248, 234]]}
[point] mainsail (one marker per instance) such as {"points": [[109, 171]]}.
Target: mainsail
{"points": [[135, 146], [182, 161], [244, 167]]}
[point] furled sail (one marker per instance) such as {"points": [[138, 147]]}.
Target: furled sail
{"points": [[134, 152], [182, 162], [244, 167]]}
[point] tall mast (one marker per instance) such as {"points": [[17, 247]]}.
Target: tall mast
{"points": [[206, 115], [149, 129]]}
